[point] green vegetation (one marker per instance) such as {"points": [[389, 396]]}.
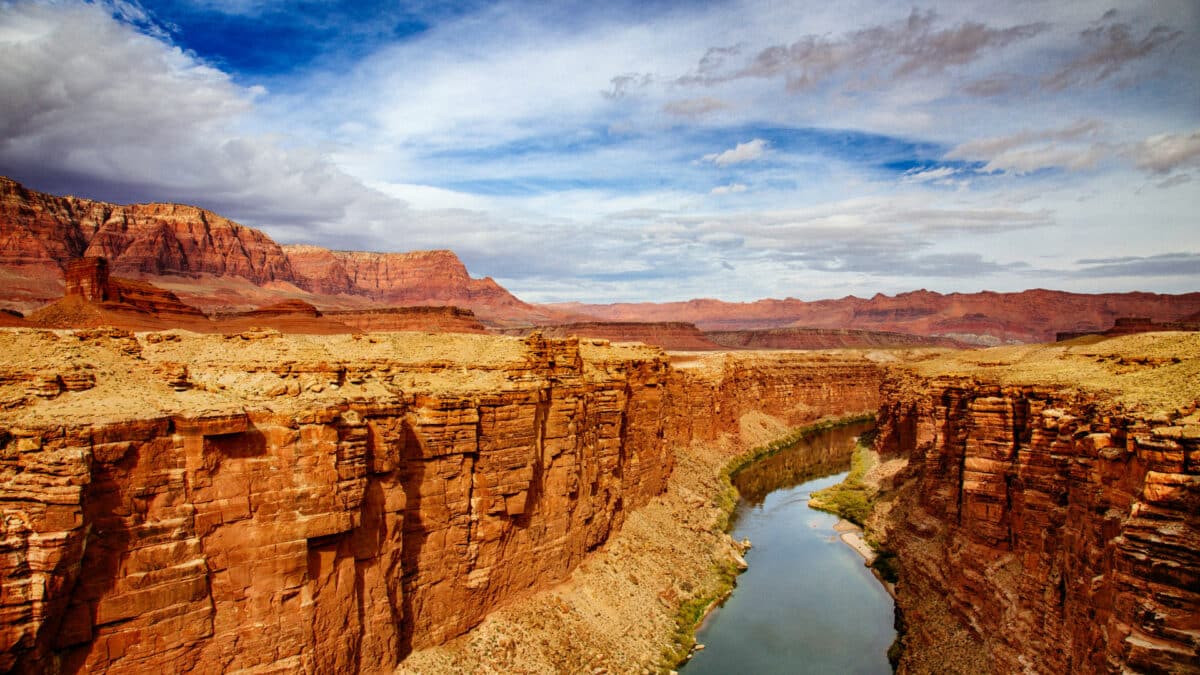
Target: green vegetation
{"points": [[850, 499], [691, 611], [723, 575]]}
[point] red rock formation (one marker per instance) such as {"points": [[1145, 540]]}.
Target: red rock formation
{"points": [[823, 338], [40, 234], [152, 239], [981, 318], [93, 298], [1060, 530], [1131, 325], [673, 335], [258, 502]]}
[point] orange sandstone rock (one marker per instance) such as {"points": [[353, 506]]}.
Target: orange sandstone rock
{"points": [[330, 503]]}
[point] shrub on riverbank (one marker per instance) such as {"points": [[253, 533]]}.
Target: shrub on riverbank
{"points": [[850, 499]]}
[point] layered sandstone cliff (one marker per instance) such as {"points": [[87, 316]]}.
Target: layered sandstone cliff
{"points": [[1049, 516], [216, 263], [258, 501]]}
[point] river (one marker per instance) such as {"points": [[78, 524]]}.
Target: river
{"points": [[807, 604]]}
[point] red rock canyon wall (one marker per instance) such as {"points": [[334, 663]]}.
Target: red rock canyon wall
{"points": [[327, 504], [1062, 531]]}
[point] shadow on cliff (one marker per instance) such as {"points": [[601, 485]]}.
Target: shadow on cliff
{"points": [[108, 512], [412, 476]]}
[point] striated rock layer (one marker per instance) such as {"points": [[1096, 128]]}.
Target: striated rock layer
{"points": [[215, 263], [176, 502], [1045, 524], [824, 338], [673, 335]]}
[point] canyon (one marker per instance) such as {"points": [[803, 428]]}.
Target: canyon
{"points": [[258, 479], [175, 501], [452, 502]]}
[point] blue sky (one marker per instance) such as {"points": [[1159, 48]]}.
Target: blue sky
{"points": [[633, 151]]}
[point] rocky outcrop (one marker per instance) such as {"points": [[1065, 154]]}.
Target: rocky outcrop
{"points": [[824, 338], [1046, 528], [673, 335], [41, 234], [253, 501], [984, 318], [94, 298]]}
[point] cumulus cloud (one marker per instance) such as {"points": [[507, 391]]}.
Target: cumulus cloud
{"points": [[743, 152], [910, 47], [94, 106], [1166, 152]]}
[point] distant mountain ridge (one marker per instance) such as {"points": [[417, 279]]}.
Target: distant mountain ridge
{"points": [[40, 234], [979, 318], [213, 263]]}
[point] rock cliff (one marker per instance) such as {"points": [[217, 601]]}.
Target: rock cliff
{"points": [[225, 264], [179, 502], [1048, 519]]}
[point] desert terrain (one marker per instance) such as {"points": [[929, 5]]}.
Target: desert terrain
{"points": [[225, 454]]}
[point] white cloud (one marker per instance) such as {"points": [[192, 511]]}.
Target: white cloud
{"points": [[1166, 152], [938, 175], [1073, 147], [743, 152], [91, 105], [728, 189]]}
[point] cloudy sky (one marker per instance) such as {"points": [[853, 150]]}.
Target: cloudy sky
{"points": [[643, 150]]}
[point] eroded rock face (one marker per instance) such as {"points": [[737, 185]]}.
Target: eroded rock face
{"points": [[1061, 530], [258, 501], [136, 239], [40, 234]]}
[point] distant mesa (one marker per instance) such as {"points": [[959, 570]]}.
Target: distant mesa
{"points": [[1130, 325], [93, 297], [213, 264], [984, 318]]}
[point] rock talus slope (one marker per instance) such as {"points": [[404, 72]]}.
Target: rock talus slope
{"points": [[1049, 519]]}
